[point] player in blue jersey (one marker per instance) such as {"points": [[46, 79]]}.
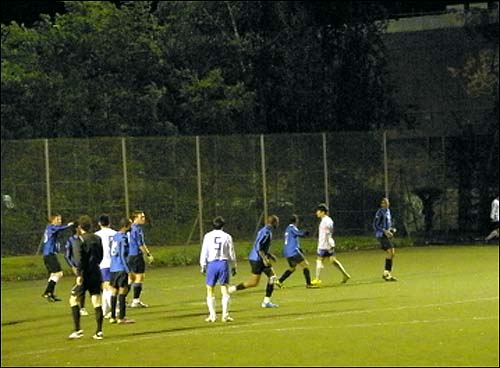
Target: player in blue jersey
{"points": [[137, 248], [51, 246], [88, 278], [72, 257], [260, 262], [119, 271], [384, 232], [294, 255]]}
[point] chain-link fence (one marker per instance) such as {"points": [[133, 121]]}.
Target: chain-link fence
{"points": [[183, 182]]}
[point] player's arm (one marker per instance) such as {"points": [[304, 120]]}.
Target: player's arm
{"points": [[232, 255]]}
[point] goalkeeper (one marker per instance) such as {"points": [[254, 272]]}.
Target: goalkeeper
{"points": [[260, 262], [294, 254], [382, 224]]}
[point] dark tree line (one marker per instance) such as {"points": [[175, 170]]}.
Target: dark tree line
{"points": [[197, 67]]}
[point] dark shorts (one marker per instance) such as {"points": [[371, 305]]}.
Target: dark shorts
{"points": [[119, 279], [259, 268], [385, 243], [295, 259], [105, 274], [91, 283], [136, 264], [325, 253], [494, 225], [52, 263]]}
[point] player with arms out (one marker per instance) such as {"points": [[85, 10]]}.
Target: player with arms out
{"points": [[326, 245], [51, 246], [384, 232], [260, 262], [216, 257], [293, 253]]}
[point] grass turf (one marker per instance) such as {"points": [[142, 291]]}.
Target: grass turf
{"points": [[442, 312]]}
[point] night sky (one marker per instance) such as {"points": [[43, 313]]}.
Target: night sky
{"points": [[27, 12]]}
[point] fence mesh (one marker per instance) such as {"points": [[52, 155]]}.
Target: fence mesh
{"points": [[431, 181]]}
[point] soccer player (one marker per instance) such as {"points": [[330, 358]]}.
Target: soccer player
{"points": [[72, 257], [51, 247], [326, 245], [217, 255], [136, 259], [293, 253], [382, 224], [119, 272], [88, 278], [260, 262], [494, 220], [106, 234]]}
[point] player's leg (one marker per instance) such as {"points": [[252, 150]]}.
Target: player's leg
{"points": [[225, 303], [336, 263], [271, 275], [74, 303], [95, 293], [55, 271], [319, 267], [387, 275], [211, 277], [257, 267]]}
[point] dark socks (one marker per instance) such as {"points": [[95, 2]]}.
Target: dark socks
{"points": [[269, 289], [240, 286], [51, 285], [388, 264], [121, 300], [285, 275], [307, 276], [137, 290], [113, 306], [75, 312], [98, 318]]}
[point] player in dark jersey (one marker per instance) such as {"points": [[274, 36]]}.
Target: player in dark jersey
{"points": [[384, 232], [88, 277]]}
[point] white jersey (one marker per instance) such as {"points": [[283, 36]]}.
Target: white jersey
{"points": [[325, 233], [106, 234], [217, 245], [494, 210]]}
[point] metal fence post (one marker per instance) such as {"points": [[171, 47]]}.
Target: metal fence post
{"points": [[325, 171], [386, 173], [200, 197], [125, 176], [47, 178], [263, 166]]}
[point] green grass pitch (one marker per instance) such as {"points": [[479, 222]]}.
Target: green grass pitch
{"points": [[443, 311]]}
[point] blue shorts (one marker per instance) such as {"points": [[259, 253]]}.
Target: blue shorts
{"points": [[106, 274], [324, 253], [217, 272]]}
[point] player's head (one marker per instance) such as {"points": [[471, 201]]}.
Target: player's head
{"points": [[218, 223], [104, 220], [294, 219], [384, 202], [125, 224], [138, 217], [85, 223], [273, 220], [321, 210], [56, 219]]}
